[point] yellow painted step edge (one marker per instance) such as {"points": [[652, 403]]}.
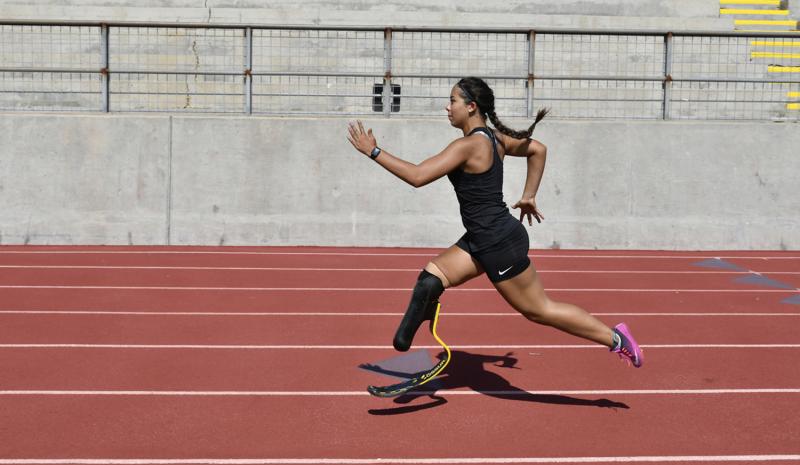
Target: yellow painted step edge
{"points": [[793, 94], [793, 106], [763, 43], [750, 2], [765, 22], [731, 11], [773, 55], [784, 69], [768, 30]]}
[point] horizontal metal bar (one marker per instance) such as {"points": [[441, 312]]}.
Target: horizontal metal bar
{"points": [[53, 108], [599, 78], [444, 97], [566, 99], [556, 77], [765, 117], [194, 94], [777, 102], [180, 73], [370, 96], [457, 76], [180, 110], [754, 81], [415, 76], [51, 70], [38, 92], [377, 75], [571, 99]]}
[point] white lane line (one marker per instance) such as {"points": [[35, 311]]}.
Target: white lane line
{"points": [[387, 270], [432, 253], [377, 289], [383, 347], [392, 314], [235, 268], [365, 393], [404, 461]]}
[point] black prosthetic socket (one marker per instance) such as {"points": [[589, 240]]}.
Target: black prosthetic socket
{"points": [[424, 300]]}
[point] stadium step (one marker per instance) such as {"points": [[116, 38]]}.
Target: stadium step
{"points": [[774, 43], [783, 69], [767, 25], [793, 105], [759, 15], [764, 12], [751, 2], [775, 55]]}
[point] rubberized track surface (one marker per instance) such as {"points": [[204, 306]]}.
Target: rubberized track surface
{"points": [[251, 356]]}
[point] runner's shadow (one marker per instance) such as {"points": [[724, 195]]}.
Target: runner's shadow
{"points": [[466, 370]]}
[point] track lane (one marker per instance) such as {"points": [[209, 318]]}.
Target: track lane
{"points": [[377, 301], [391, 258], [198, 278], [90, 369], [468, 426], [374, 330]]}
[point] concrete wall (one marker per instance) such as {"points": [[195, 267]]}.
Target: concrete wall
{"points": [[794, 8], [120, 179], [659, 8], [579, 15], [87, 179]]}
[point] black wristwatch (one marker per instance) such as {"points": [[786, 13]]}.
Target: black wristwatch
{"points": [[375, 152]]}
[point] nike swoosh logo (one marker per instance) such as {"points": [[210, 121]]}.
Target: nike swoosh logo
{"points": [[501, 273]]}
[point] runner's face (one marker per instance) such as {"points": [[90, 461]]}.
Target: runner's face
{"points": [[457, 111]]}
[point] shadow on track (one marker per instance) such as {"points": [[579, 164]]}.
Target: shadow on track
{"points": [[466, 370]]}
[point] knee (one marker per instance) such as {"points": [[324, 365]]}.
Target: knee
{"points": [[429, 286], [434, 269], [537, 312]]}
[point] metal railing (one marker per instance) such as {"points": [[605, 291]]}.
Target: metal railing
{"points": [[317, 71]]}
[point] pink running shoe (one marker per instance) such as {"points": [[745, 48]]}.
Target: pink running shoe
{"points": [[628, 349]]}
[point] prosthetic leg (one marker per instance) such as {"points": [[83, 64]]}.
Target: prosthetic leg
{"points": [[424, 305]]}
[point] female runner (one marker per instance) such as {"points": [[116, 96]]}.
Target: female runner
{"points": [[495, 242]]}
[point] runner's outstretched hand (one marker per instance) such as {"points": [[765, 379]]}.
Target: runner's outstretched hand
{"points": [[528, 208], [362, 140]]}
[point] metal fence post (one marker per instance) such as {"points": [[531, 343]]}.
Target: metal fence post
{"points": [[248, 70], [667, 75], [531, 60], [387, 76], [105, 77]]}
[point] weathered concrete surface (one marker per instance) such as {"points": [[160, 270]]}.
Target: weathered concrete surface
{"points": [[794, 8], [70, 179], [676, 8], [607, 185], [85, 179], [578, 15]]}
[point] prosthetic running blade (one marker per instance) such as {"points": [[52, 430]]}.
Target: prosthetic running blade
{"points": [[420, 378]]}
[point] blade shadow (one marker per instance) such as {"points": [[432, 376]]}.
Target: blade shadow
{"points": [[467, 370]]}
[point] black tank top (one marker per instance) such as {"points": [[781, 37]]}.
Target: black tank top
{"points": [[480, 199]]}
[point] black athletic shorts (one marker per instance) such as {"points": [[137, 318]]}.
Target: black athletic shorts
{"points": [[504, 259]]}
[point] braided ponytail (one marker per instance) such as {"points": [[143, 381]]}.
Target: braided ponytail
{"points": [[476, 90], [512, 133]]}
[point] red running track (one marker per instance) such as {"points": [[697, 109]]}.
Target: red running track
{"points": [[251, 355]]}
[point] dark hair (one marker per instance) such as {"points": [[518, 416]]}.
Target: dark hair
{"points": [[473, 89]]}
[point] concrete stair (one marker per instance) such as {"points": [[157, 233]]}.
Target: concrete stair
{"points": [[796, 104], [759, 15], [780, 55]]}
